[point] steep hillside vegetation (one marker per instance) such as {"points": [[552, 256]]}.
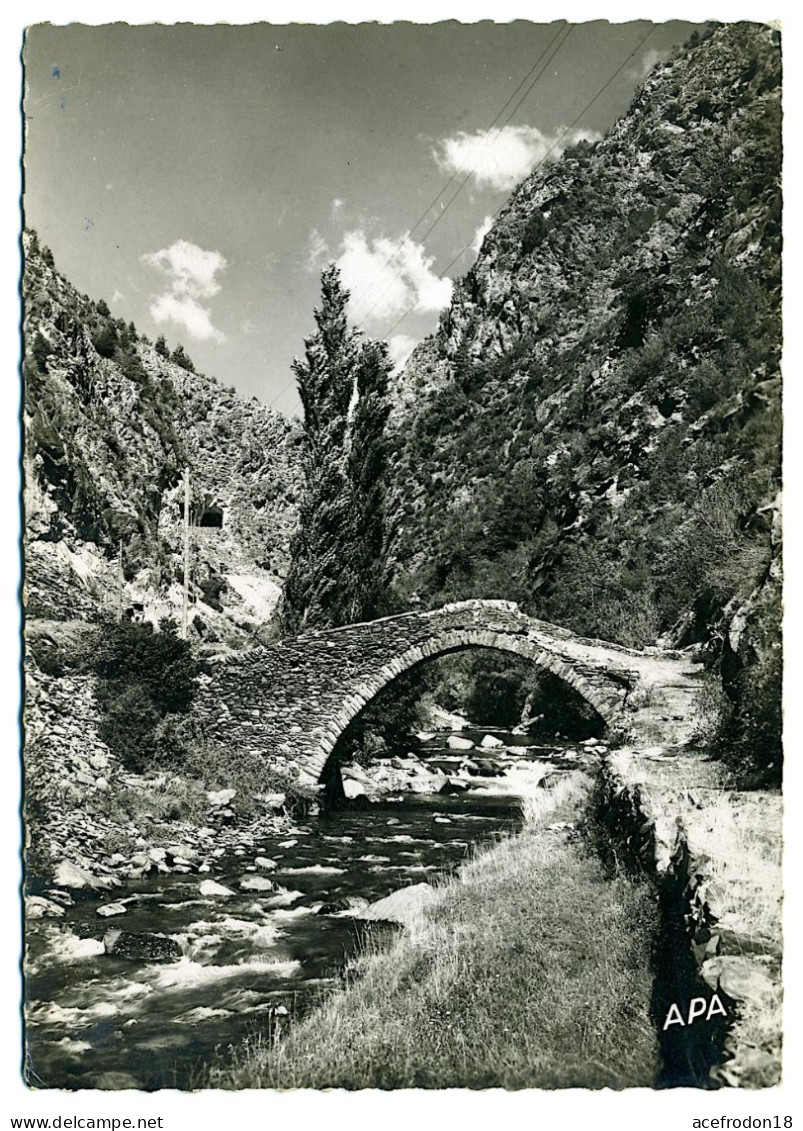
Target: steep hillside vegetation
{"points": [[594, 430], [111, 421]]}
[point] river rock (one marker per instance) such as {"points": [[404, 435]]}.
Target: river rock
{"points": [[333, 908], [455, 742], [74, 878], [220, 796], [454, 785], [212, 887], [353, 789], [107, 910], [350, 906], [429, 783], [402, 906], [141, 946], [490, 742], [264, 862], [63, 898], [488, 770], [37, 907], [256, 883]]}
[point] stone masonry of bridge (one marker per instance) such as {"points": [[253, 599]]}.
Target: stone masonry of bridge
{"points": [[294, 699]]}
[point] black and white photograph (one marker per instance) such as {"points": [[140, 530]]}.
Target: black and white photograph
{"points": [[402, 573]]}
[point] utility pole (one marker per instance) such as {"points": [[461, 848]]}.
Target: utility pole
{"points": [[121, 583], [185, 608]]}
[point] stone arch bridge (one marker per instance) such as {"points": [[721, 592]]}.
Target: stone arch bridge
{"points": [[296, 697]]}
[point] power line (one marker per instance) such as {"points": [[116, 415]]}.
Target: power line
{"points": [[534, 169], [538, 164], [455, 174], [487, 141]]}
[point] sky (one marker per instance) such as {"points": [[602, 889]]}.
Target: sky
{"points": [[199, 178]]}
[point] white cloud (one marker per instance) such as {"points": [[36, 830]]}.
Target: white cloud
{"points": [[650, 59], [337, 207], [481, 233], [118, 296], [400, 347], [187, 314], [318, 251], [388, 277], [499, 159], [191, 274]]}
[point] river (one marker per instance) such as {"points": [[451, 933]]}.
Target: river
{"points": [[94, 1021]]}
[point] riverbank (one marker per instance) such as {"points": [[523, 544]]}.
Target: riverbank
{"points": [[138, 988], [504, 980], [91, 825], [715, 855]]}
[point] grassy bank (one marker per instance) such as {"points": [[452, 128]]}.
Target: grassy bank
{"points": [[532, 969]]}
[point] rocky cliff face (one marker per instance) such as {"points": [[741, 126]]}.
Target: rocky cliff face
{"points": [[110, 424], [594, 430]]}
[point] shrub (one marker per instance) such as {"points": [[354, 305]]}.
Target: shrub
{"points": [[144, 677], [534, 232], [181, 358], [41, 350], [105, 339]]}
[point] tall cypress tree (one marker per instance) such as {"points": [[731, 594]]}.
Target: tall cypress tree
{"points": [[367, 468], [337, 570]]}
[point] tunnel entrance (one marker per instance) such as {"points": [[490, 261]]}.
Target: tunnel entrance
{"points": [[212, 518]]}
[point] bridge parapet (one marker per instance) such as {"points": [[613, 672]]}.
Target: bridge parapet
{"points": [[296, 697]]}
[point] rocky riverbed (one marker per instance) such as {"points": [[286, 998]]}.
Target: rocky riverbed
{"points": [[125, 954]]}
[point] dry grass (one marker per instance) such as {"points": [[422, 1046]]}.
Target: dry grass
{"points": [[532, 969]]}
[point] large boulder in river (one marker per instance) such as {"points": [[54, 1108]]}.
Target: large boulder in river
{"points": [[402, 906], [353, 789], [141, 946], [37, 907], [455, 742], [256, 883], [74, 878], [212, 887], [490, 741], [107, 910]]}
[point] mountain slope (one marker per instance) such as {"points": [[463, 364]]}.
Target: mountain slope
{"points": [[110, 424], [594, 430]]}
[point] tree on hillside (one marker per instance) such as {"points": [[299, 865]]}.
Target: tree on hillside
{"points": [[182, 359], [337, 569], [367, 471]]}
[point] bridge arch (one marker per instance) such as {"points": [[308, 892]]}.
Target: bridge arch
{"points": [[607, 703], [291, 701]]}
